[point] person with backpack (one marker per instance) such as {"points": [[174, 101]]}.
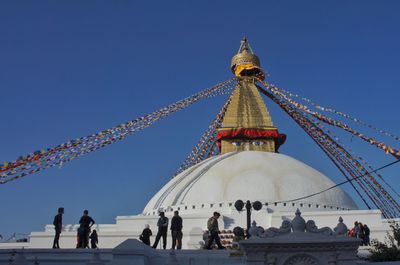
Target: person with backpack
{"points": [[212, 226]]}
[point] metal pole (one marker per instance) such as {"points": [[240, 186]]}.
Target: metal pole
{"points": [[248, 212]]}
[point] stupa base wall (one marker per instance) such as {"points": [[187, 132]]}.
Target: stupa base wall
{"points": [[194, 224]]}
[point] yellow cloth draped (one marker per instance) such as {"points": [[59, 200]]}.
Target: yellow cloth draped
{"points": [[242, 67]]}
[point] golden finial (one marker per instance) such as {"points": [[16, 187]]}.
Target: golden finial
{"points": [[245, 62]]}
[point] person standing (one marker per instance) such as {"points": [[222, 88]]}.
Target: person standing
{"points": [[212, 225], [86, 222], [360, 232], [366, 236], [353, 232], [162, 230], [58, 226], [145, 236], [94, 239], [176, 231]]}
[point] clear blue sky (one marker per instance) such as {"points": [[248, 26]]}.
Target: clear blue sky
{"points": [[72, 68]]}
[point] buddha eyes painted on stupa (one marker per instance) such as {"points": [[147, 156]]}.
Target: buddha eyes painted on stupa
{"points": [[258, 143], [237, 143], [255, 143]]}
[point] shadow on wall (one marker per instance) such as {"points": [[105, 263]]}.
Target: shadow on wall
{"points": [[194, 234], [227, 221]]}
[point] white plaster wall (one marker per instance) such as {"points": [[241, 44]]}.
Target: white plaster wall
{"points": [[126, 227]]}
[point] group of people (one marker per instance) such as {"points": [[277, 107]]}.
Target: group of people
{"points": [[362, 232], [176, 232], [211, 239], [162, 224], [85, 224]]}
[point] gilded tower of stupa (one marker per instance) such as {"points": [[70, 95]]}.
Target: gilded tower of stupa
{"points": [[247, 124]]}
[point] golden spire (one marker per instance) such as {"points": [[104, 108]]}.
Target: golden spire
{"points": [[246, 108], [247, 124]]}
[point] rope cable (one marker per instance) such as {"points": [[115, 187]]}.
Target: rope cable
{"points": [[339, 184]]}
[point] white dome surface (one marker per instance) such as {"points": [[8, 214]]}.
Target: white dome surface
{"points": [[248, 175]]}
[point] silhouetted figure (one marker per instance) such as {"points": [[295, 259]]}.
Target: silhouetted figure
{"points": [[212, 226], [176, 231], [57, 227], [360, 231], [145, 236], [162, 230], [80, 233], [366, 236], [86, 222], [94, 239], [353, 231]]}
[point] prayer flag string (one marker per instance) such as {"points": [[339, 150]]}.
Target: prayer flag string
{"points": [[388, 149], [339, 113], [340, 156], [63, 153], [205, 146], [359, 157]]}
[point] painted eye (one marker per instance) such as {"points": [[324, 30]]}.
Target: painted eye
{"points": [[258, 143], [238, 143]]}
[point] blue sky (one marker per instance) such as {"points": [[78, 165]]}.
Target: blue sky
{"points": [[72, 68]]}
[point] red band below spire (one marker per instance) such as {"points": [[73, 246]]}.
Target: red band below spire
{"points": [[252, 134]]}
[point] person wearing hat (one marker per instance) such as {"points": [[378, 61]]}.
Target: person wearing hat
{"points": [[58, 226], [212, 226], [162, 230]]}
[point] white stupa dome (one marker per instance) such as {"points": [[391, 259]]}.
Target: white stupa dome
{"points": [[249, 175]]}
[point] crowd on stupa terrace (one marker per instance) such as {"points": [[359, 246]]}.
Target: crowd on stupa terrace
{"points": [[213, 237]]}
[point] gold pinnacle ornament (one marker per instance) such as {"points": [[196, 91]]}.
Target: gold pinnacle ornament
{"points": [[247, 125], [245, 62]]}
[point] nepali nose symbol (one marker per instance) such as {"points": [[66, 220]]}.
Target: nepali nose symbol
{"points": [[247, 146]]}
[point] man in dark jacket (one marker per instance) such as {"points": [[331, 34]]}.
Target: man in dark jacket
{"points": [[212, 225], [176, 231], [58, 226], [86, 222], [366, 236], [162, 230]]}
